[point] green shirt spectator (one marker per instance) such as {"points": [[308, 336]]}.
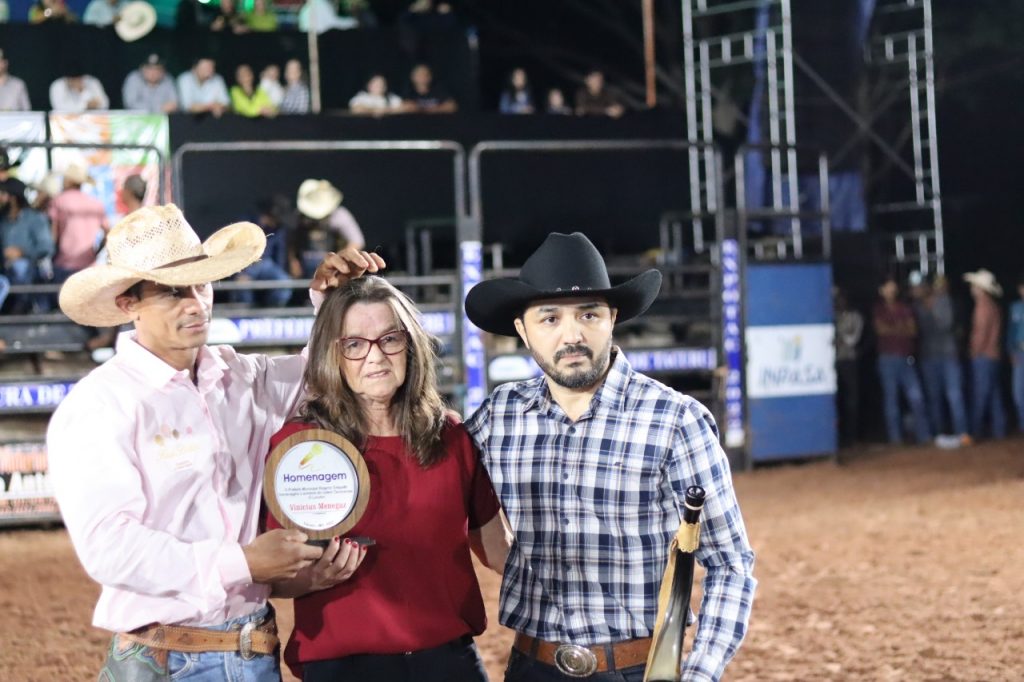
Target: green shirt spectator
{"points": [[261, 18], [247, 99]]}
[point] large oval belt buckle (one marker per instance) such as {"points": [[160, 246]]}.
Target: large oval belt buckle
{"points": [[575, 660], [245, 641]]}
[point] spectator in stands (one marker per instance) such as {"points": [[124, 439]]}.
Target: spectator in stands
{"points": [[247, 98], [262, 18], [27, 244], [939, 359], [326, 226], [51, 11], [376, 99], [849, 331], [556, 103], [149, 88], [13, 93], [516, 97], [229, 19], [79, 223], [77, 92], [321, 16], [201, 90], [101, 12], [272, 266], [986, 340], [1015, 346], [133, 193], [296, 91], [896, 330], [5, 289], [423, 95], [270, 83], [594, 100], [46, 190]]}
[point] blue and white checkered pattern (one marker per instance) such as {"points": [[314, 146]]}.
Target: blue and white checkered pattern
{"points": [[594, 505]]}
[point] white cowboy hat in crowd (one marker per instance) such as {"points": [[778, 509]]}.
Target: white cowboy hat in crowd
{"points": [[156, 244], [77, 174], [136, 19], [318, 199], [984, 280]]}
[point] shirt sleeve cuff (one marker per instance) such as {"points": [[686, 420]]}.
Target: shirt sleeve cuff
{"points": [[232, 566], [700, 668], [317, 298]]}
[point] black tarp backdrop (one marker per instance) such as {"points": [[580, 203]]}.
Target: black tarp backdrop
{"points": [[40, 54], [616, 197]]}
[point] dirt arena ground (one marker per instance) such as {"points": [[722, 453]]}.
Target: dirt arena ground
{"points": [[896, 565]]}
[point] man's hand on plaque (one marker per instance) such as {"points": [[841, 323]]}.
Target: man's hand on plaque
{"points": [[339, 268], [339, 561], [279, 555]]}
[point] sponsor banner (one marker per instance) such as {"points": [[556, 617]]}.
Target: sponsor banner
{"points": [[519, 367], [297, 329], [19, 397], [735, 433], [109, 168], [473, 356], [790, 360], [25, 491], [25, 126]]}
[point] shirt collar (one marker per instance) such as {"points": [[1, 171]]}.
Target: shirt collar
{"points": [[209, 366], [612, 391]]}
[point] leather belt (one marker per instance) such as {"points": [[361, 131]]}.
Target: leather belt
{"points": [[581, 661], [249, 640]]}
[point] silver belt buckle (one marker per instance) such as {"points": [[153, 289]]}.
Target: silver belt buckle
{"points": [[575, 660], [245, 641]]}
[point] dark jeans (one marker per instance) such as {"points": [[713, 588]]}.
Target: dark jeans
{"points": [[1018, 387], [522, 668], [848, 397], [987, 400], [456, 661], [943, 382], [897, 372]]}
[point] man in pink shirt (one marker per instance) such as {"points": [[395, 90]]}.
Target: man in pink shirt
{"points": [[79, 222], [157, 456]]}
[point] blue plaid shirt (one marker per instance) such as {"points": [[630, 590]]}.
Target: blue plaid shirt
{"points": [[594, 505]]}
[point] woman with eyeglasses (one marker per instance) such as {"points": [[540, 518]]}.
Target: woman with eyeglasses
{"points": [[407, 607]]}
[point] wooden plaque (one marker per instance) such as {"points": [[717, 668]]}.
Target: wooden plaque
{"points": [[317, 482]]}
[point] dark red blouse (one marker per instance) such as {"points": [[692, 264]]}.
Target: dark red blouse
{"points": [[416, 589]]}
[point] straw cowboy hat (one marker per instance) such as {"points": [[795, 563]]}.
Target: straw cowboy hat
{"points": [[318, 199], [984, 280], [76, 174], [565, 266], [136, 19], [156, 244]]}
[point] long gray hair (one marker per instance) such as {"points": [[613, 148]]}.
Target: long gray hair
{"points": [[417, 406]]}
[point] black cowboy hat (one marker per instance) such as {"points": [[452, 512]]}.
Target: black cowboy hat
{"points": [[565, 266]]}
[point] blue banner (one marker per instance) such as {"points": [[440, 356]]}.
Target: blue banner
{"points": [[519, 367], [473, 355], [20, 397]]}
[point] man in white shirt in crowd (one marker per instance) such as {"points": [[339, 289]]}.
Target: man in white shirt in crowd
{"points": [[13, 94], [101, 12], [201, 90], [77, 92], [149, 88]]}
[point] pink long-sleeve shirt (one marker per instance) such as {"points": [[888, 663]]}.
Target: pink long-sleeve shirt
{"points": [[159, 480]]}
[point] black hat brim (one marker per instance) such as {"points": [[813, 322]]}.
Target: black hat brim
{"points": [[493, 305]]}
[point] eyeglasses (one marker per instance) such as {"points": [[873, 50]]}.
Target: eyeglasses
{"points": [[357, 348]]}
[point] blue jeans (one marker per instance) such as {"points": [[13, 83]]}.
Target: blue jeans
{"points": [[264, 271], [897, 372], [217, 666], [5, 288], [943, 382], [1018, 387], [987, 400], [24, 271], [522, 668]]}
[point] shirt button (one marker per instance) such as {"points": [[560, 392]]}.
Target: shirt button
{"points": [[569, 612], [565, 520], [565, 477], [572, 429]]}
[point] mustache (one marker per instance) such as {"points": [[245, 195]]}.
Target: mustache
{"points": [[574, 349]]}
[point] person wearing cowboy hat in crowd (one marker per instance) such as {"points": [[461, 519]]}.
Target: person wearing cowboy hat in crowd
{"points": [[1015, 348], [985, 343], [27, 244], [79, 222], [325, 225], [156, 456], [591, 462], [149, 88]]}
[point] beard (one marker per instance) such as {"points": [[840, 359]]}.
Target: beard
{"points": [[577, 378]]}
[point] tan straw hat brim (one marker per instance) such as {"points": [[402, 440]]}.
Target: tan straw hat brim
{"points": [[137, 20], [88, 297]]}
